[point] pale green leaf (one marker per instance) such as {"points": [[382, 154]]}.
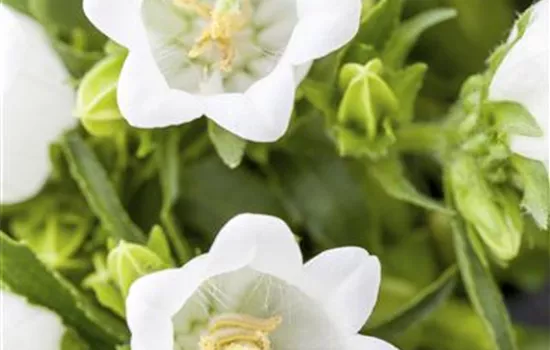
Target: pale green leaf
{"points": [[391, 175], [230, 148], [536, 188]]}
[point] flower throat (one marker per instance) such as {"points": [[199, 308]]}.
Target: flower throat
{"points": [[239, 332], [225, 19]]}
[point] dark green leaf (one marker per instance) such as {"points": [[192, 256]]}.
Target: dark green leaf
{"points": [[211, 194], [421, 306], [329, 200], [24, 274], [482, 289], [98, 189]]}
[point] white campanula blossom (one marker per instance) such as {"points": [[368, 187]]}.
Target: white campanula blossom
{"points": [[523, 77], [36, 102], [236, 61], [28, 327], [252, 291]]}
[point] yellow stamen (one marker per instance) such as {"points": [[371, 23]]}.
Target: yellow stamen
{"points": [[220, 31], [239, 332]]}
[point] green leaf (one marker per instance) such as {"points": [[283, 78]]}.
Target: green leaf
{"points": [[536, 188], [229, 147], [406, 85], [482, 289], [24, 274], [168, 162], [391, 175], [513, 118], [211, 194], [72, 341], [403, 39], [63, 17], [330, 202], [379, 22], [105, 289], [20, 5], [98, 190], [420, 307]]}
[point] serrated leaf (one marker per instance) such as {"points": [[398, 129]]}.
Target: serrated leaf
{"points": [[536, 188], [403, 39], [482, 288], [24, 274], [391, 175], [420, 307], [229, 147], [98, 189], [513, 118]]}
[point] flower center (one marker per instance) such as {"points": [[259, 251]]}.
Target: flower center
{"points": [[239, 332], [226, 18]]}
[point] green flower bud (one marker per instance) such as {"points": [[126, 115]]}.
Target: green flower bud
{"points": [[494, 212], [96, 104], [364, 114], [128, 262]]}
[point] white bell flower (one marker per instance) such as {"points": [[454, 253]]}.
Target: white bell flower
{"points": [[36, 102], [236, 61], [253, 292], [28, 327], [523, 77]]}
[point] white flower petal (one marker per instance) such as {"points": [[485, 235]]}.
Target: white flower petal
{"points": [[28, 327], [145, 99], [263, 243], [262, 113], [118, 19], [523, 77], [37, 103], [360, 342], [346, 283], [158, 297], [323, 27]]}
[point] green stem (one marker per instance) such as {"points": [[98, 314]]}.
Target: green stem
{"points": [[423, 138]]}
